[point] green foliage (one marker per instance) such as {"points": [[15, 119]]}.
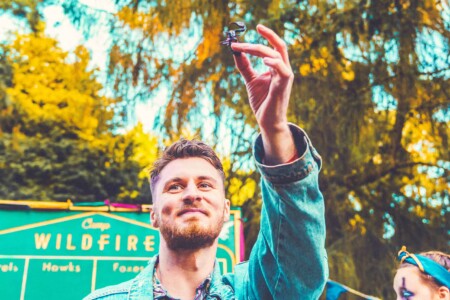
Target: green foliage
{"points": [[56, 131], [55, 167], [5, 79]]}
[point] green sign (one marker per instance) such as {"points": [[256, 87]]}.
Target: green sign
{"points": [[67, 254]]}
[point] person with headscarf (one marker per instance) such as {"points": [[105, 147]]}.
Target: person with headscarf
{"points": [[424, 276]]}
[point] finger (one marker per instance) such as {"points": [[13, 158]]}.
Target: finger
{"points": [[279, 66], [244, 67], [275, 41], [255, 49]]}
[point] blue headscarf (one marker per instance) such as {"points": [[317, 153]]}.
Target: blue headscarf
{"points": [[426, 265]]}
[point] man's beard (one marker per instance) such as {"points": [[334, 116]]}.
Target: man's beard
{"points": [[190, 238]]}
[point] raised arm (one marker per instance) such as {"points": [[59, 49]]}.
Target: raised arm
{"points": [[288, 260]]}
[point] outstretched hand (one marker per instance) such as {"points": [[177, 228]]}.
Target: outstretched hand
{"points": [[269, 93]]}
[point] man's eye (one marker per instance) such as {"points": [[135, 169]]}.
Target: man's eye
{"points": [[205, 185], [174, 187]]}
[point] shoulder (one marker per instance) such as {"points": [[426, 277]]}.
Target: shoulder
{"points": [[237, 280], [113, 292], [141, 285]]}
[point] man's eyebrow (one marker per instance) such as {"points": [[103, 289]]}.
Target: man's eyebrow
{"points": [[210, 178], [179, 179], [174, 179]]}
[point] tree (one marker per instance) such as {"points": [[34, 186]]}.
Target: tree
{"points": [[57, 131], [24, 10]]}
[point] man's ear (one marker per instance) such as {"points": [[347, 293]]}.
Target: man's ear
{"points": [[444, 293], [226, 212], [153, 218]]}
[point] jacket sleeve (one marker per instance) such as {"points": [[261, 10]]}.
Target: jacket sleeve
{"points": [[288, 260]]}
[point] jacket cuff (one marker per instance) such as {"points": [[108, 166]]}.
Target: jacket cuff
{"points": [[293, 171]]}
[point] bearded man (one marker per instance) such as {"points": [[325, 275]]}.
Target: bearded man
{"points": [[288, 260]]}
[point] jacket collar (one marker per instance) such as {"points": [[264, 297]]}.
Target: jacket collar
{"points": [[216, 281], [142, 286]]}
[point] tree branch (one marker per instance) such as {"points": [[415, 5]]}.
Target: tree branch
{"points": [[356, 180]]}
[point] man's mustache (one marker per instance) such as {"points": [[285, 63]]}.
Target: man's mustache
{"points": [[191, 208]]}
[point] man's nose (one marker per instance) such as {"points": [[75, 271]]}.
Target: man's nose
{"points": [[191, 193]]}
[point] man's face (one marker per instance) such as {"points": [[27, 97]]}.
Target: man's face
{"points": [[408, 285], [189, 204]]}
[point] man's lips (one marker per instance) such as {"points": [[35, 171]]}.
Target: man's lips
{"points": [[191, 210]]}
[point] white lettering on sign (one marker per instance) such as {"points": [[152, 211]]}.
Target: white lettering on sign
{"points": [[126, 269], [8, 268], [117, 242], [41, 240], [90, 224], [86, 242], [70, 267], [58, 241], [132, 241], [69, 245], [104, 240], [149, 243]]}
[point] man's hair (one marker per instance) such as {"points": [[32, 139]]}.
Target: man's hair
{"points": [[441, 258], [184, 149]]}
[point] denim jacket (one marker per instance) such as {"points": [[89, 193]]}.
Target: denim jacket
{"points": [[288, 260]]}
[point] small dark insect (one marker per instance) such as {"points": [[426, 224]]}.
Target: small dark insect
{"points": [[235, 30]]}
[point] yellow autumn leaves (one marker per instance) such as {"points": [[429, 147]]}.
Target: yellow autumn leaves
{"points": [[48, 88], [54, 87], [319, 62]]}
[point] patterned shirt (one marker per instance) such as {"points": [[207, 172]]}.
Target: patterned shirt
{"points": [[160, 293]]}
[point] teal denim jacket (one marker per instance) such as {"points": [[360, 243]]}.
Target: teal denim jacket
{"points": [[288, 260]]}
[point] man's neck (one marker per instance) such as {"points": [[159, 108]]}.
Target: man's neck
{"points": [[181, 272]]}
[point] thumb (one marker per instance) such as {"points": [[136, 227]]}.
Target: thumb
{"points": [[245, 68]]}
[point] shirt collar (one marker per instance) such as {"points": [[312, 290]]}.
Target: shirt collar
{"points": [[159, 292]]}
